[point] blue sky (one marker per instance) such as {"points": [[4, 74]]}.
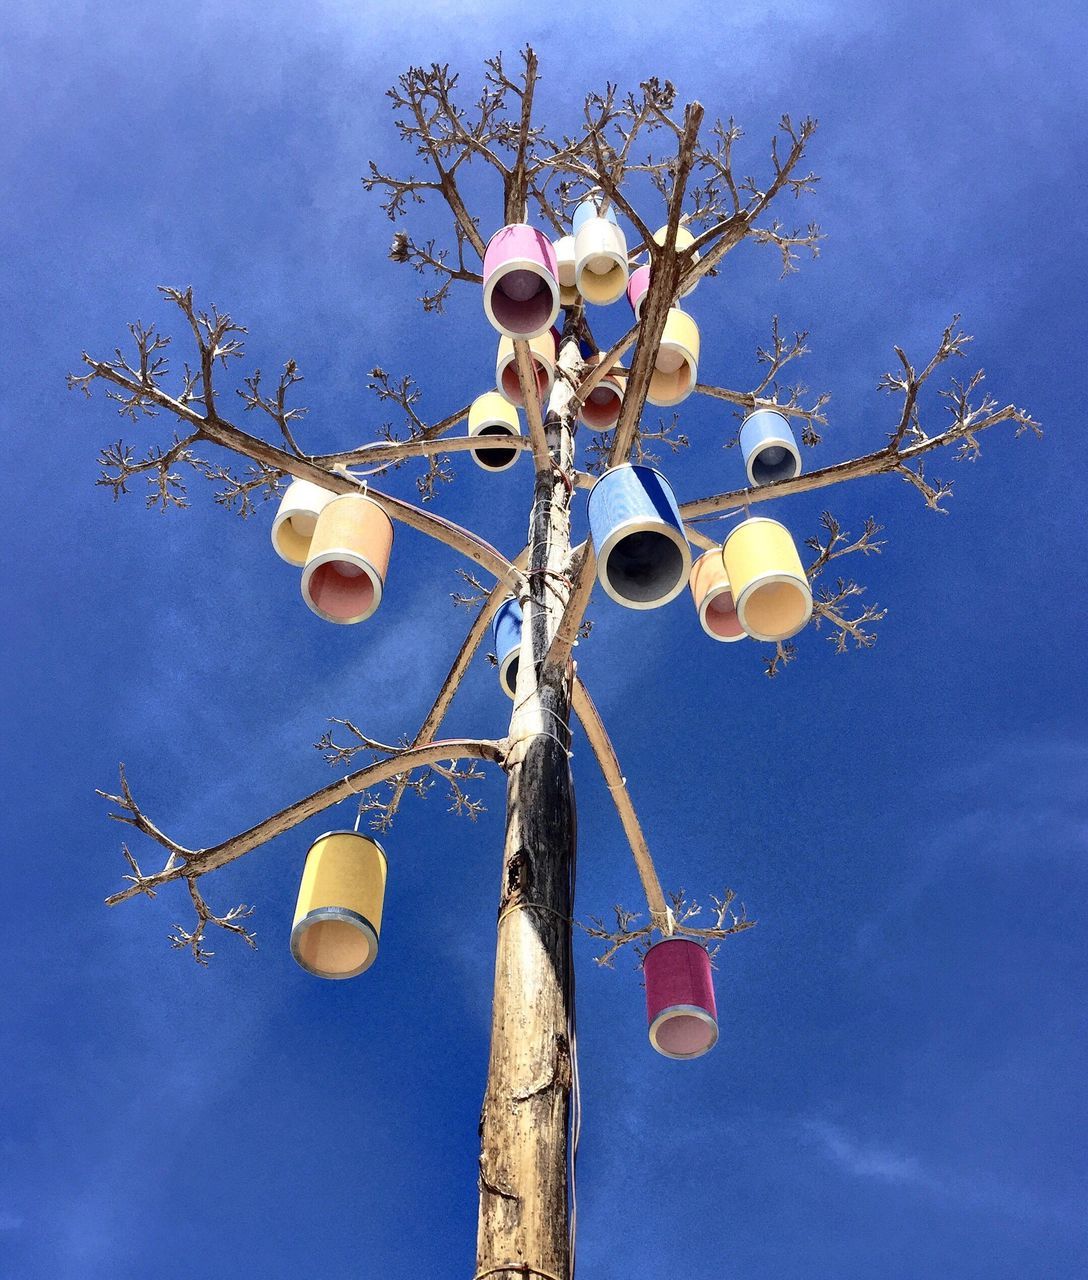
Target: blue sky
{"points": [[898, 1088]]}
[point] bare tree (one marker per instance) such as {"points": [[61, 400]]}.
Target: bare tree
{"points": [[634, 151]]}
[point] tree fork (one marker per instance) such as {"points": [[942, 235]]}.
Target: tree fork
{"points": [[524, 1121]]}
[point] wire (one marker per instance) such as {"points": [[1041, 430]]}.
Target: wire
{"points": [[521, 1267], [526, 906], [576, 1087], [548, 711], [723, 515]]}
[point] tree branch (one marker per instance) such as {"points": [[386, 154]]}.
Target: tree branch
{"points": [[432, 721], [590, 720], [147, 393], [530, 394], [663, 290], [189, 864], [679, 912], [882, 461], [566, 635]]}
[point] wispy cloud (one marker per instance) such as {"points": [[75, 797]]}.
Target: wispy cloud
{"points": [[868, 1160], [1004, 808], [876, 1162]]}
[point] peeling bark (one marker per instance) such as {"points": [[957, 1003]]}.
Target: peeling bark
{"points": [[524, 1121]]}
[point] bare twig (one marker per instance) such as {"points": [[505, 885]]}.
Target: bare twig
{"points": [[970, 417], [193, 941], [453, 772], [145, 391], [187, 864], [681, 910]]}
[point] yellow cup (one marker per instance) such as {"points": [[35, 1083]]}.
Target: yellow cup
{"points": [[600, 254], [769, 583], [493, 417], [676, 370], [338, 918], [684, 240], [296, 519]]}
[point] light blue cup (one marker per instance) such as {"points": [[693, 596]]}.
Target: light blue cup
{"points": [[506, 630], [589, 209], [643, 557], [770, 451]]}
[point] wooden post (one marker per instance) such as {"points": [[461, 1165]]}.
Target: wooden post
{"points": [[524, 1122]]}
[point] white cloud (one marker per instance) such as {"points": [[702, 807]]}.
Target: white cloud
{"points": [[868, 1160], [1005, 809], [896, 1168]]}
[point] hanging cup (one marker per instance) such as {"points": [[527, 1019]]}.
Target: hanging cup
{"points": [[637, 288], [713, 598], [506, 630], [344, 577], [643, 558], [338, 916], [676, 369], [684, 240], [492, 415], [296, 519], [567, 271], [543, 351], [587, 210], [521, 285], [769, 448], [601, 408], [769, 583], [680, 1008], [600, 254]]}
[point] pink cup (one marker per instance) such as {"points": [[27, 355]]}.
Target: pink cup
{"points": [[680, 1004], [637, 286], [521, 281]]}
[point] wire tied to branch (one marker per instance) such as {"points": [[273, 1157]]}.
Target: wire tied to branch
{"points": [[547, 505], [507, 1267], [547, 711], [731, 514], [537, 733], [363, 476], [565, 578], [540, 906]]}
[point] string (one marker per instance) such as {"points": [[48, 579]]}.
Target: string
{"points": [[547, 710], [549, 573], [576, 1084], [723, 515], [547, 502], [543, 733], [540, 906], [515, 1266]]}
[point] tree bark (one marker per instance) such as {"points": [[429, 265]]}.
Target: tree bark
{"points": [[524, 1122]]}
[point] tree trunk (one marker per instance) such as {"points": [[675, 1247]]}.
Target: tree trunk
{"points": [[525, 1118]]}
